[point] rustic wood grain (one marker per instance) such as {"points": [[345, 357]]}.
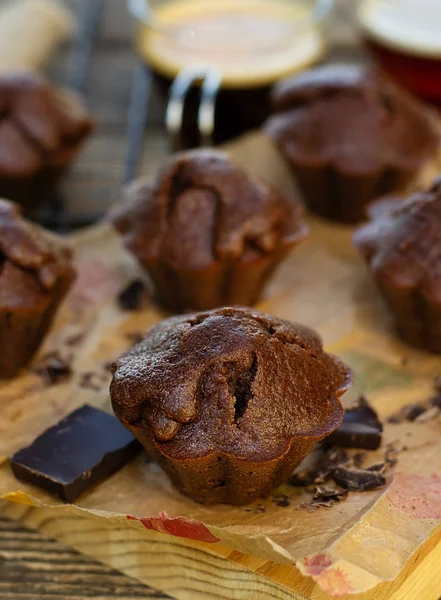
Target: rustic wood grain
{"points": [[33, 566]]}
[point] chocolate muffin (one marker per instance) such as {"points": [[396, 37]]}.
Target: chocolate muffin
{"points": [[207, 233], [42, 128], [230, 401], [402, 246], [350, 135], [35, 275]]}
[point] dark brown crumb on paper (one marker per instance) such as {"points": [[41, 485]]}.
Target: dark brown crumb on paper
{"points": [[324, 498], [134, 296], [281, 501], [54, 368], [94, 381]]}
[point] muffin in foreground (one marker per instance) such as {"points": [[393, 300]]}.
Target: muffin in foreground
{"points": [[402, 246], [207, 233], [229, 401], [350, 135], [35, 274], [41, 131]]}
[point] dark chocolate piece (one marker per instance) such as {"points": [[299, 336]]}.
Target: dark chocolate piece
{"points": [[321, 469], [358, 480], [133, 297], [361, 428], [82, 449]]}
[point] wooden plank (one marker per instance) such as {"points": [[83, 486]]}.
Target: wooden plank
{"points": [[33, 566], [193, 571]]}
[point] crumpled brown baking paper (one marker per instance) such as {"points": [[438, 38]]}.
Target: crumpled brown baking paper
{"points": [[348, 548]]}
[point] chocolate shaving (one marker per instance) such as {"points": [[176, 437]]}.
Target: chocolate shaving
{"points": [[358, 480], [282, 500], [133, 297], [54, 368], [320, 471], [361, 428], [324, 498]]}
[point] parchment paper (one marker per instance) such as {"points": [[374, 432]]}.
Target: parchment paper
{"points": [[348, 548]]}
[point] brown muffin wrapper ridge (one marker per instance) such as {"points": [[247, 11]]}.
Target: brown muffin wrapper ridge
{"points": [[343, 197], [237, 283], [417, 318], [222, 479], [22, 330]]}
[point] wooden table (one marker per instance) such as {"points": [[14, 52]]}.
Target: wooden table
{"points": [[33, 567]]}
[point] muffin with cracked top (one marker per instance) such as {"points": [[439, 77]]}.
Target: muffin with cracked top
{"points": [[402, 246], [351, 135], [230, 401], [36, 273], [206, 232]]}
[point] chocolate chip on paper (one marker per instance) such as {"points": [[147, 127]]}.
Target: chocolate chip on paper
{"points": [[361, 428], [358, 480]]}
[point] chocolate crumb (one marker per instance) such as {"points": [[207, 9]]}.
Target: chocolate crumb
{"points": [[358, 480], [133, 297], [54, 368], [324, 498], [92, 381], [282, 500], [261, 508], [358, 459]]}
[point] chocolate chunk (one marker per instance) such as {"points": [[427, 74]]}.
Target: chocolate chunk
{"points": [[361, 428], [133, 297], [320, 470], [82, 449], [358, 480]]}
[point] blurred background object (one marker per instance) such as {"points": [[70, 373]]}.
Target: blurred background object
{"points": [[30, 31], [226, 56], [403, 36]]}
